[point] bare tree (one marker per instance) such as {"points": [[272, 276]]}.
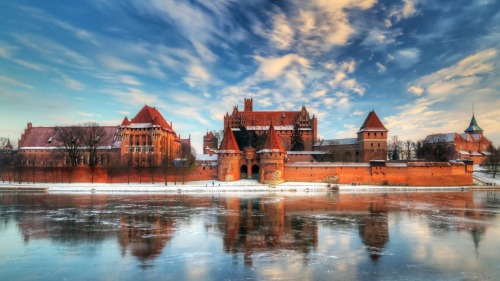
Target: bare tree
{"points": [[152, 163], [407, 150], [417, 149], [6, 161], [187, 162], [71, 142], [139, 166], [493, 160], [165, 166], [3, 142], [394, 148], [94, 138], [436, 148]]}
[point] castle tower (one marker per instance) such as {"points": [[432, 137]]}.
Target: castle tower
{"points": [[229, 157], [272, 159], [248, 104], [372, 139], [210, 142], [148, 137]]}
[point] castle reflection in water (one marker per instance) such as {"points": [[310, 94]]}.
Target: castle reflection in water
{"points": [[145, 224]]}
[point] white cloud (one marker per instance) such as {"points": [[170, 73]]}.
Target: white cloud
{"points": [[405, 58], [130, 80], [79, 33], [417, 91], [71, 83], [445, 97], [14, 82], [272, 67], [460, 76], [282, 34], [380, 67], [115, 63], [400, 12]]}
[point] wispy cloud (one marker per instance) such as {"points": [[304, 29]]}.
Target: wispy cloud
{"points": [[15, 82]]}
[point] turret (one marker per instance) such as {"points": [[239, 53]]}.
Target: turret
{"points": [[474, 127], [248, 104], [372, 139], [272, 159], [229, 157]]}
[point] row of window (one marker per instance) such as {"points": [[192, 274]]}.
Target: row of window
{"points": [[375, 134], [143, 148]]}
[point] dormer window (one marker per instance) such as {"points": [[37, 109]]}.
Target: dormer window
{"points": [[50, 140]]}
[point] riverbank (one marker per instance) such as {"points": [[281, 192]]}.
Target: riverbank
{"points": [[216, 187]]}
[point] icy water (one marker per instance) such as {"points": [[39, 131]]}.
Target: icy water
{"points": [[283, 236]]}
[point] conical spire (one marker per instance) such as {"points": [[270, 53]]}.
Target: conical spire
{"points": [[372, 123], [273, 143], [473, 127], [229, 144], [8, 146]]}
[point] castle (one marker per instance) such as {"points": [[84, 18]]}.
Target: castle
{"points": [[255, 145], [362, 159], [134, 142], [471, 144]]}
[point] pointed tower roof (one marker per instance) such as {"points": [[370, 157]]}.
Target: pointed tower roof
{"points": [[273, 143], [372, 123], [8, 146], [209, 135], [473, 127], [148, 114], [125, 121], [229, 144]]}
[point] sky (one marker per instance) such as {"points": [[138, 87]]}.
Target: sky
{"points": [[422, 65]]}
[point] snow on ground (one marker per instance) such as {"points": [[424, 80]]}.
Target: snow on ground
{"points": [[487, 177], [245, 186]]}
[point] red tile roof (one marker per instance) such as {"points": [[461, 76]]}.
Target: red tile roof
{"points": [[210, 135], [229, 143], [151, 115], [372, 122], [273, 142], [126, 122], [40, 136]]}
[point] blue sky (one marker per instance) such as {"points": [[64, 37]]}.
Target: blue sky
{"points": [[419, 63]]}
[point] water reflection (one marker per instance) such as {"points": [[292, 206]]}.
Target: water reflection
{"points": [[262, 228]]}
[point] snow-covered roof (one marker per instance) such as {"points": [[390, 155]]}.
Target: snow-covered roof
{"points": [[140, 125], [486, 153], [277, 128], [475, 153], [463, 152], [346, 141], [228, 151], [207, 157], [449, 137], [389, 164], [328, 164], [305, 152], [269, 151]]}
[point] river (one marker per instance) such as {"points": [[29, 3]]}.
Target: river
{"points": [[251, 236]]}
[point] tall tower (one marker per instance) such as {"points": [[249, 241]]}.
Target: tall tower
{"points": [[210, 143], [272, 159], [372, 139], [248, 104], [229, 157]]}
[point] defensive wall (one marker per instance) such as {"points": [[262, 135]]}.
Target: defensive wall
{"points": [[383, 173], [375, 172]]}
